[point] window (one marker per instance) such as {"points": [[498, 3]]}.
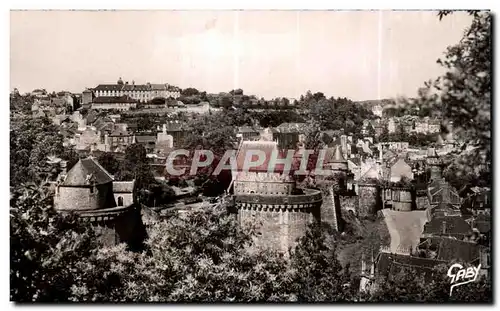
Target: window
{"points": [[120, 201]]}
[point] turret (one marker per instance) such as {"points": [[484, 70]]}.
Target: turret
{"points": [[435, 164], [337, 162]]}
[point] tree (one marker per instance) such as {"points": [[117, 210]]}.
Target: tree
{"points": [[190, 92], [203, 257], [319, 96], [21, 103], [226, 102], [109, 162], [317, 275], [336, 114], [136, 167], [45, 247], [463, 94], [236, 92], [31, 141]]}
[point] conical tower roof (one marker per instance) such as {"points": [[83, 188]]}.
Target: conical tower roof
{"points": [[87, 172], [337, 156], [334, 155], [440, 140]]}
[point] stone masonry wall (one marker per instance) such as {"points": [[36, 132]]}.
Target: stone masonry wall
{"points": [[368, 200], [402, 200], [75, 198], [106, 233], [278, 229], [330, 209]]}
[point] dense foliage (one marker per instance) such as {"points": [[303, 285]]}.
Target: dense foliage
{"points": [[200, 256], [46, 247], [463, 95], [32, 140]]}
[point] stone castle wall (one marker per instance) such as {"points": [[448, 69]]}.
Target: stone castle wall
{"points": [[84, 198], [402, 200], [263, 183], [106, 233], [422, 202], [118, 225], [368, 200], [128, 198], [349, 203], [75, 198], [268, 188], [277, 229], [280, 220], [330, 208]]}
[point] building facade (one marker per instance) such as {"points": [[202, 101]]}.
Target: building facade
{"points": [[122, 102], [140, 92]]}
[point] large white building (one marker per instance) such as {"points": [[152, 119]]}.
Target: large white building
{"points": [[140, 92]]}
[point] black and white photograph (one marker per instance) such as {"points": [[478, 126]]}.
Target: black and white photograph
{"points": [[250, 156]]}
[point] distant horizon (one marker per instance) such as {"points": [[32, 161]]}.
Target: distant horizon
{"points": [[372, 56]]}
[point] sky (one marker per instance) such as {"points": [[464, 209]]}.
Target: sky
{"points": [[361, 55]]}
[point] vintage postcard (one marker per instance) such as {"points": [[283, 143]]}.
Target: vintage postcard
{"points": [[250, 156]]}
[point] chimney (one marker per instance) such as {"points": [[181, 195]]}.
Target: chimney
{"points": [[443, 226], [164, 129]]}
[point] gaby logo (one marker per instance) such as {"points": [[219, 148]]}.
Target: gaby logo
{"points": [[460, 276]]}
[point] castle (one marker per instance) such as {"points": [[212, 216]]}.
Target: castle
{"points": [[91, 192], [267, 195]]}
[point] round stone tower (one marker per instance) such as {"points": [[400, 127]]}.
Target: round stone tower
{"points": [[401, 199], [89, 191], [267, 196]]}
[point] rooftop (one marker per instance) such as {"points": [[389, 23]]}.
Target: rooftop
{"points": [[145, 139], [390, 264], [451, 225], [86, 172], [334, 155], [136, 87], [250, 148], [123, 186], [401, 169]]}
